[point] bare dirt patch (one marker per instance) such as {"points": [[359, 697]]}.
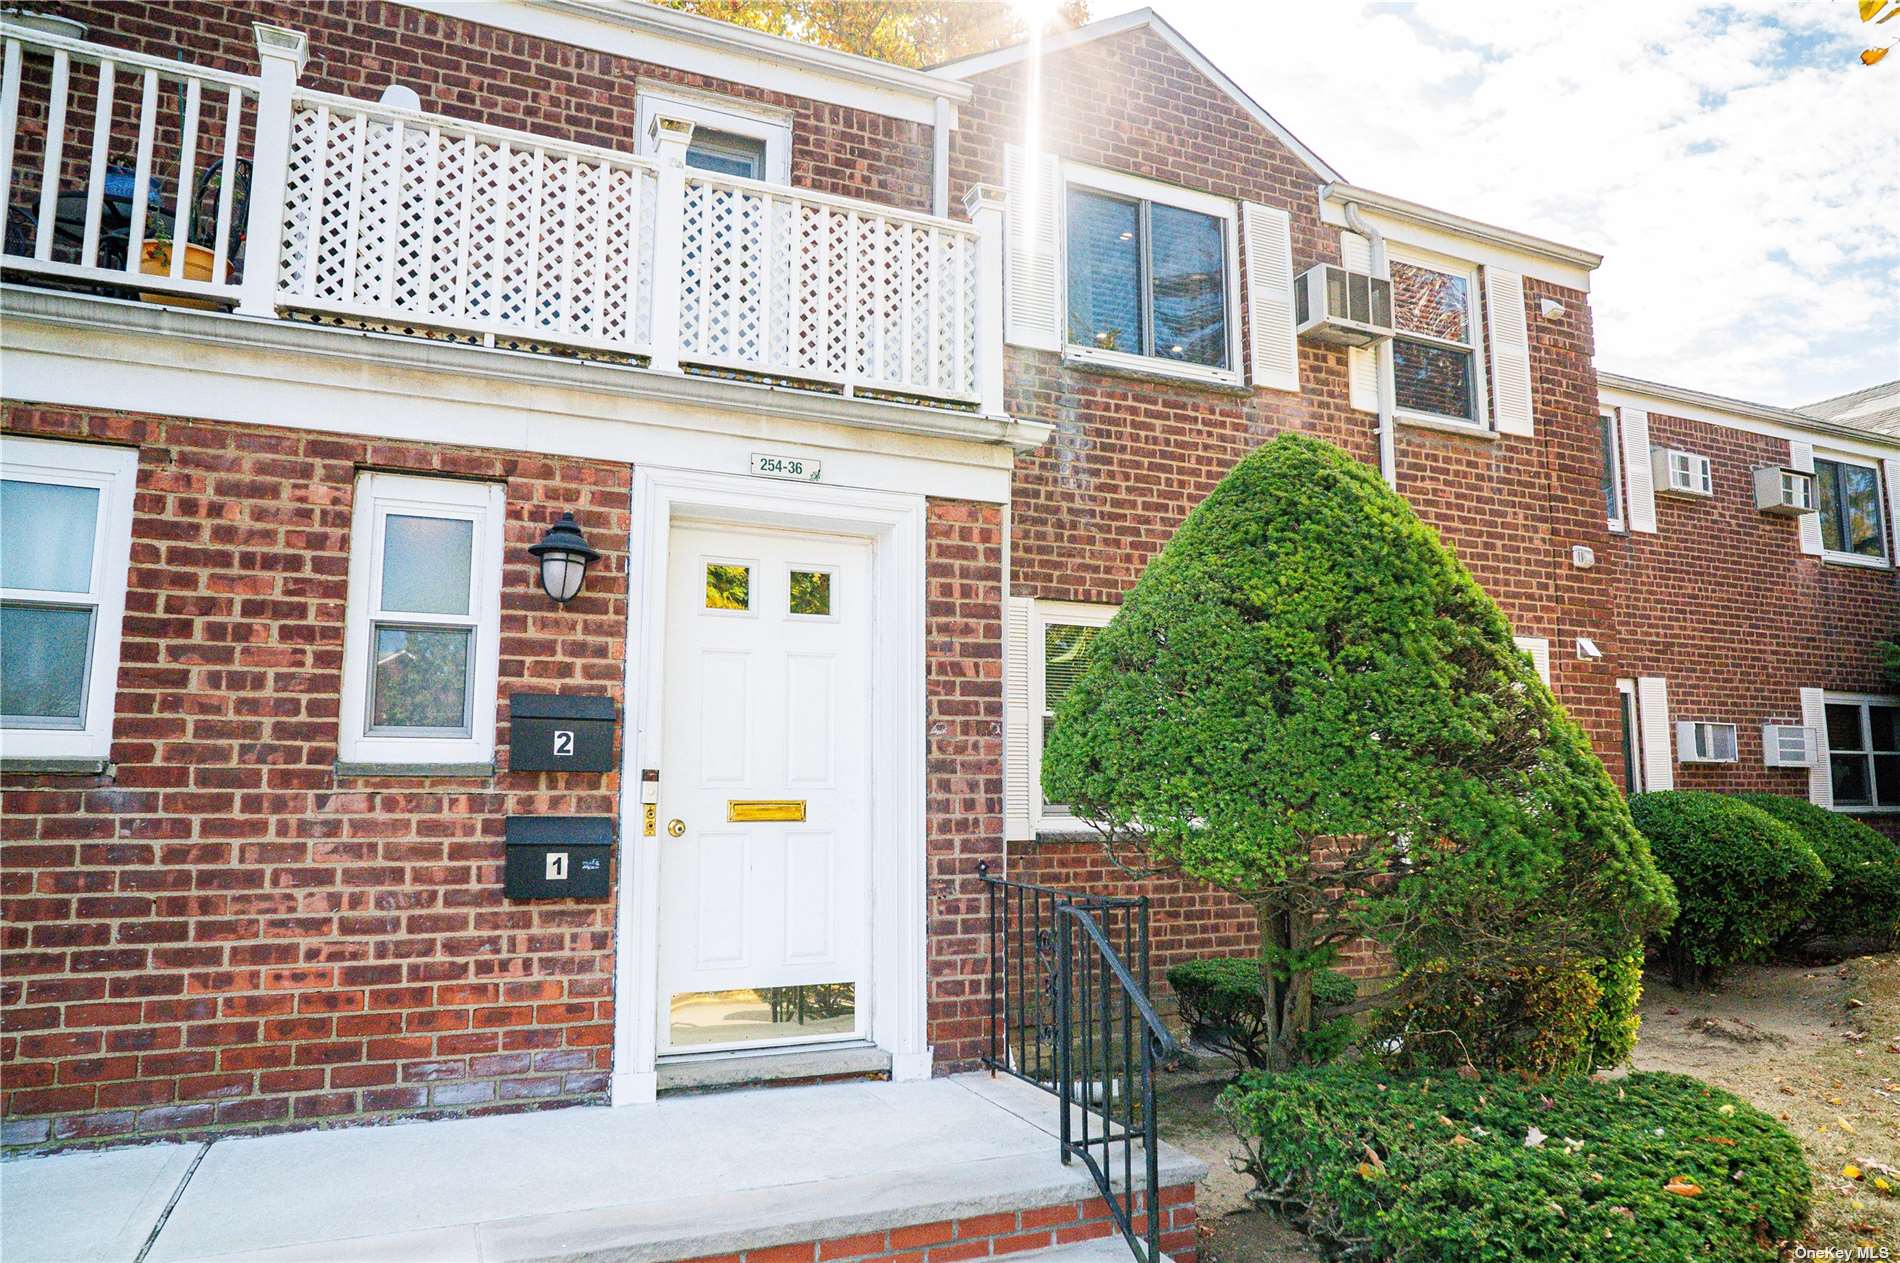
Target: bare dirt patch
{"points": [[1817, 1046]]}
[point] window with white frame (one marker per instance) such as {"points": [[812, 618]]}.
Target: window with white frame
{"points": [[1610, 473], [424, 621], [1631, 732], [1863, 751], [1063, 636], [1151, 276], [730, 137], [1437, 372], [65, 544], [1847, 497]]}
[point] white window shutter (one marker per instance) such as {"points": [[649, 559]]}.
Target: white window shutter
{"points": [[1033, 314], [1362, 362], [1273, 347], [1020, 792], [1539, 650], [1889, 474], [1820, 775], [1640, 511], [1652, 704], [1801, 456], [1510, 351]]}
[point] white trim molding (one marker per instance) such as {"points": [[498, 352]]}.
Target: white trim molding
{"points": [[1410, 223], [1739, 414], [112, 472], [770, 126], [894, 524]]}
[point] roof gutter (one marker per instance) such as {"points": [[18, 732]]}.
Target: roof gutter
{"points": [[639, 16], [1399, 208], [1742, 408]]}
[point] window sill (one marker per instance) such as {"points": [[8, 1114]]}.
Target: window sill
{"points": [[1140, 368], [58, 767], [1855, 559], [347, 770], [1462, 428], [1865, 811]]}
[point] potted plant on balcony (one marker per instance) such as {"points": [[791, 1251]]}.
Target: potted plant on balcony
{"points": [[155, 259]]}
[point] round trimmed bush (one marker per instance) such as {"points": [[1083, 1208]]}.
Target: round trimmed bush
{"points": [[1863, 892], [1434, 1168], [1743, 878]]}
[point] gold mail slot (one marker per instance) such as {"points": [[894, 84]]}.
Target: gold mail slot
{"points": [[765, 809]]}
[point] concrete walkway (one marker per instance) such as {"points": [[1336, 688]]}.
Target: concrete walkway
{"points": [[687, 1177]]}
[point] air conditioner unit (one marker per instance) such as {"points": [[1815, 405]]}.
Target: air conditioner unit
{"points": [[1787, 745], [1783, 491], [1346, 308], [1682, 473], [1699, 742]]}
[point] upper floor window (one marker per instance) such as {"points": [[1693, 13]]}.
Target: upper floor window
{"points": [[423, 626], [1435, 370], [65, 544], [730, 136], [1847, 495], [1150, 277], [1610, 472], [1863, 751]]}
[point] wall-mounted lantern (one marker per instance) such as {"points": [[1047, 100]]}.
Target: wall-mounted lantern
{"points": [[564, 555]]}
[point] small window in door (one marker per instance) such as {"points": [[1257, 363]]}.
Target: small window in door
{"points": [[727, 153], [811, 593], [728, 586]]}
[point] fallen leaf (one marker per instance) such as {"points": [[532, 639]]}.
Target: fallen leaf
{"points": [[1851, 1171], [1718, 1140], [1844, 1125], [1683, 1186], [1461, 1139], [1534, 1139]]}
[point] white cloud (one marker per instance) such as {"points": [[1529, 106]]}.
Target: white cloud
{"points": [[1736, 165]]}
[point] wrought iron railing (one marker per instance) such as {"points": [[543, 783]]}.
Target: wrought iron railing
{"points": [[1069, 1013]]}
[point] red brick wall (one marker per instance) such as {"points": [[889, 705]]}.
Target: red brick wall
{"points": [[1722, 603], [963, 646], [482, 73], [222, 931], [1130, 458]]}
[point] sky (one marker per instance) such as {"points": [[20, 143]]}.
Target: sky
{"points": [[1736, 165]]}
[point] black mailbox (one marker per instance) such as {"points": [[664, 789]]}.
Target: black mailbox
{"points": [[550, 732], [558, 857]]}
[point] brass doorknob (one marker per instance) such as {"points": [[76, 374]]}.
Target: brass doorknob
{"points": [[675, 828]]}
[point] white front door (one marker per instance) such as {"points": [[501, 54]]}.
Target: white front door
{"points": [[764, 791]]}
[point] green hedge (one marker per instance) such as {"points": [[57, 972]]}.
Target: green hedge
{"points": [[1863, 893], [1219, 998], [1436, 1169], [1743, 878]]}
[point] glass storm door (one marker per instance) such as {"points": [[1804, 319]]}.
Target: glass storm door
{"points": [[765, 878]]}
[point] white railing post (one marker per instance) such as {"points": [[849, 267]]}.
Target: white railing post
{"points": [[281, 54], [984, 205], [670, 137]]}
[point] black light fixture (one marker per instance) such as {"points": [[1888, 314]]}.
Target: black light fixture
{"points": [[564, 554]]}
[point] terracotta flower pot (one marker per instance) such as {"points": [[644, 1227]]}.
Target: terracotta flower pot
{"points": [[155, 259]]}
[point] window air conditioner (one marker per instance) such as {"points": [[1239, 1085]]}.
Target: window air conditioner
{"points": [[1783, 491], [1787, 745], [1332, 304], [1682, 473]]}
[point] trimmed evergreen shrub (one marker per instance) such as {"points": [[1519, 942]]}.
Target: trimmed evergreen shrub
{"points": [[1862, 899], [1743, 878], [1221, 1002], [1432, 1168], [1307, 700]]}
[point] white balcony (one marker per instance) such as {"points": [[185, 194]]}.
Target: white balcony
{"points": [[305, 205]]}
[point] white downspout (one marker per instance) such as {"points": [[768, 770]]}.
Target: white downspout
{"points": [[1382, 269], [940, 160]]}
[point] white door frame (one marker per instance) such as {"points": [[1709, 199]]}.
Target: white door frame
{"points": [[894, 524]]}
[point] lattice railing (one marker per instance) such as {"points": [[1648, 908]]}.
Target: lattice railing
{"points": [[414, 218], [247, 191], [789, 282]]}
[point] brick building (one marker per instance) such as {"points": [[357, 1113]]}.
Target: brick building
{"points": [[870, 407]]}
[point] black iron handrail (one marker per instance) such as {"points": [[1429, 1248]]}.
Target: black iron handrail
{"points": [[1070, 1016]]}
